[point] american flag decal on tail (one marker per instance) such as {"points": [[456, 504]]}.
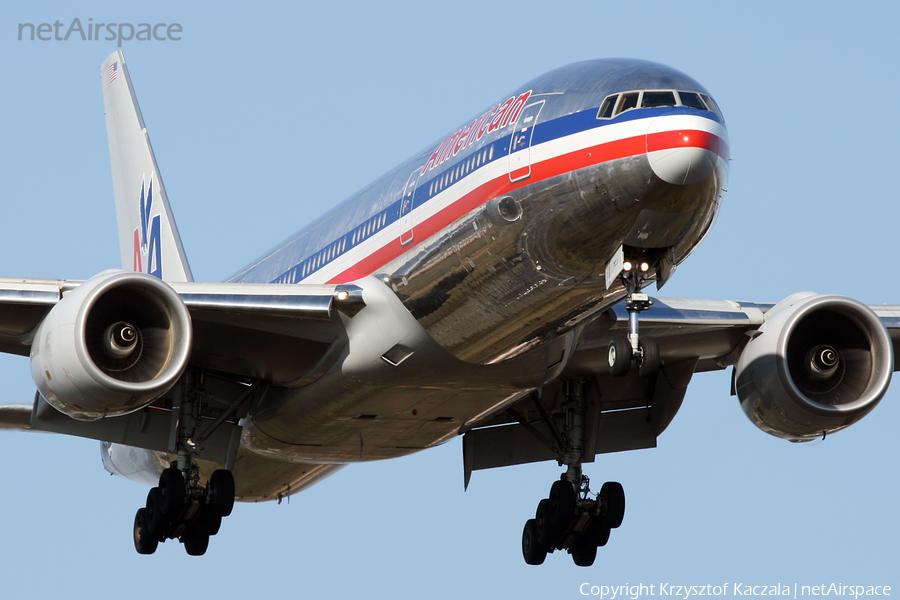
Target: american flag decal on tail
{"points": [[113, 71]]}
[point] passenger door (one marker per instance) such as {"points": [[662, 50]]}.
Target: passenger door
{"points": [[520, 144], [406, 207]]}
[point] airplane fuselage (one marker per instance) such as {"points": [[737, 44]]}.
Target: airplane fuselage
{"points": [[475, 237], [496, 240]]}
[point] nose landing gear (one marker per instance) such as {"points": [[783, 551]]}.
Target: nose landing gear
{"points": [[623, 350]]}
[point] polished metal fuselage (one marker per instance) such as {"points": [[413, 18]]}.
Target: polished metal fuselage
{"points": [[508, 279]]}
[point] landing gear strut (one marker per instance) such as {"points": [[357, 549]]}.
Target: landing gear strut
{"points": [[624, 350], [571, 518], [180, 506]]}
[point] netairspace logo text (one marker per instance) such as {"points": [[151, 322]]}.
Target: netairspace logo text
{"points": [[688, 592], [90, 31]]}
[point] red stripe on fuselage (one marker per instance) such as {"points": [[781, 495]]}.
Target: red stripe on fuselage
{"points": [[687, 138], [546, 169]]}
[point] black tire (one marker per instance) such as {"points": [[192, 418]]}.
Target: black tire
{"points": [[195, 542], [546, 532], [157, 523], [171, 492], [208, 522], [613, 496], [649, 365], [584, 554], [597, 533], [144, 541], [562, 505], [221, 488], [532, 550], [619, 356]]}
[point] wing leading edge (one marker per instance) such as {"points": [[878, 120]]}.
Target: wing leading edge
{"points": [[275, 311]]}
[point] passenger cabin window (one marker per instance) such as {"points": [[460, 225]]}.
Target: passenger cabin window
{"points": [[655, 99], [606, 109], [628, 102], [692, 100]]}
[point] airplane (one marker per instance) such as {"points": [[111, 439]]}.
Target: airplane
{"points": [[490, 287]]}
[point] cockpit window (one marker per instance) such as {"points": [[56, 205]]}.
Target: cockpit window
{"points": [[655, 99], [606, 109], [628, 102], [616, 104], [692, 100], [712, 105]]}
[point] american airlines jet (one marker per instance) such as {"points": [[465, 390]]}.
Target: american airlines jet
{"points": [[493, 286]]}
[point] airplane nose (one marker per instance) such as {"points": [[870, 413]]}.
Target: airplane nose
{"points": [[681, 156]]}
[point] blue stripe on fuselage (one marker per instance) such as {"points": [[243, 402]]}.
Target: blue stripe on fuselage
{"points": [[426, 189]]}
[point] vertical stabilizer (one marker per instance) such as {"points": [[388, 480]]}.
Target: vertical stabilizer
{"points": [[148, 236]]}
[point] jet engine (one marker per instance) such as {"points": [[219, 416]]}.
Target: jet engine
{"points": [[817, 365], [111, 346]]}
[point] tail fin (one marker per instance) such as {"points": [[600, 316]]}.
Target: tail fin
{"points": [[148, 237]]}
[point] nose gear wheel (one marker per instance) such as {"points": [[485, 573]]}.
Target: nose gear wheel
{"points": [[625, 350]]}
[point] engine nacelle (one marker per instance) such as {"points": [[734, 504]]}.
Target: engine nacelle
{"points": [[111, 346], [817, 365]]}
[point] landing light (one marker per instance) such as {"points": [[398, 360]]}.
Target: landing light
{"points": [[343, 295], [626, 266], [644, 267]]}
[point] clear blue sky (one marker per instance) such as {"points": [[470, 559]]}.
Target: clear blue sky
{"points": [[264, 117]]}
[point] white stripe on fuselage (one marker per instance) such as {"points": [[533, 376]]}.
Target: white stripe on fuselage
{"points": [[500, 168]]}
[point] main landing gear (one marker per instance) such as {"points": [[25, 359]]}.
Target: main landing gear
{"points": [[623, 350], [185, 510], [570, 518], [180, 506]]}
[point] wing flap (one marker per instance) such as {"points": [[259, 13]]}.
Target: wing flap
{"points": [[15, 416], [151, 428]]}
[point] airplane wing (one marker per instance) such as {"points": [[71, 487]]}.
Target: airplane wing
{"points": [[284, 335], [291, 334], [693, 335], [225, 318]]}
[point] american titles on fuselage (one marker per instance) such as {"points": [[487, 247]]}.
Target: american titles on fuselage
{"points": [[432, 176], [501, 115]]}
